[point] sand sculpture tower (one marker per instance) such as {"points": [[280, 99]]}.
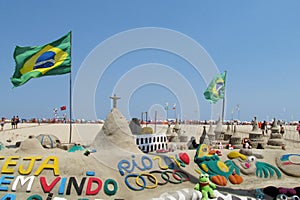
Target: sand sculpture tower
{"points": [[228, 128], [177, 128], [236, 139], [204, 137], [171, 135], [256, 135], [219, 134], [275, 137], [228, 133], [211, 134], [115, 134], [115, 98], [181, 136]]}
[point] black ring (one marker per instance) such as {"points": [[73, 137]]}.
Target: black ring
{"points": [[153, 181]]}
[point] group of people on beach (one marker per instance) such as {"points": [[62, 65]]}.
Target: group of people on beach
{"points": [[15, 120], [264, 128]]}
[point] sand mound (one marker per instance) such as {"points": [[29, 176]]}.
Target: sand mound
{"points": [[30, 145], [115, 134], [48, 140], [115, 141]]}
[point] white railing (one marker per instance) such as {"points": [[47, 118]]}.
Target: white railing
{"points": [[151, 142]]}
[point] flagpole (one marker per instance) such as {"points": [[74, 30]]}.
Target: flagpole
{"points": [[70, 135], [223, 106]]}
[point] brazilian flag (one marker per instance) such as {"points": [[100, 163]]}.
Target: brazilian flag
{"points": [[216, 88], [36, 61]]}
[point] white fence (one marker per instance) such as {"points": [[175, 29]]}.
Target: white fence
{"points": [[151, 142]]}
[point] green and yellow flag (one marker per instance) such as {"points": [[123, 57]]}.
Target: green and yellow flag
{"points": [[36, 61], [216, 88]]}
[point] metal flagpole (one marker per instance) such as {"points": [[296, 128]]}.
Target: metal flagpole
{"points": [[146, 118], [155, 117], [223, 107], [70, 136]]}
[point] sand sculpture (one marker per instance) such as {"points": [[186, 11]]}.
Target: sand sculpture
{"points": [[218, 171], [228, 133], [146, 139], [275, 137], [219, 133], [204, 137], [250, 165], [111, 171], [211, 134], [256, 136], [289, 163], [236, 139]]}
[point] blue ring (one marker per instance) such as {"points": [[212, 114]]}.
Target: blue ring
{"points": [[132, 188]]}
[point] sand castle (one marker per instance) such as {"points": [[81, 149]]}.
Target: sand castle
{"points": [[219, 133], [146, 139], [228, 133], [275, 139], [256, 135], [124, 140], [211, 134], [236, 139], [204, 137]]}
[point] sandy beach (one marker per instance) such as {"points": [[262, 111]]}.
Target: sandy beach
{"points": [[31, 171]]}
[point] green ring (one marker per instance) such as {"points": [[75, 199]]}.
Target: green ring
{"points": [[35, 196], [165, 173], [110, 192]]}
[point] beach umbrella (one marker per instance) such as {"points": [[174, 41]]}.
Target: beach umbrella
{"points": [[48, 140]]}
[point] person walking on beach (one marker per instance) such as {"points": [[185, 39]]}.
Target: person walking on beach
{"points": [[13, 120], [17, 120], [264, 128], [281, 130], [298, 128], [2, 123]]}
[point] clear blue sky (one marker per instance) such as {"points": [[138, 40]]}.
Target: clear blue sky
{"points": [[257, 42]]}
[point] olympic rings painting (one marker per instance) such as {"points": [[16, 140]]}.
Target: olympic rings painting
{"points": [[150, 180], [178, 176]]}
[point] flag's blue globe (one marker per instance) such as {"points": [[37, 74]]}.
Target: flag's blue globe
{"points": [[219, 87], [45, 60]]}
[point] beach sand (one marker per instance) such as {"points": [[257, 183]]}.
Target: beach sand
{"points": [[67, 175]]}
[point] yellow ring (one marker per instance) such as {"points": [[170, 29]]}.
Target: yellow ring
{"points": [[146, 174]]}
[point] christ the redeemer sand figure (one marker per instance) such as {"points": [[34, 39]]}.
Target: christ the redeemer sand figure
{"points": [[115, 98]]}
